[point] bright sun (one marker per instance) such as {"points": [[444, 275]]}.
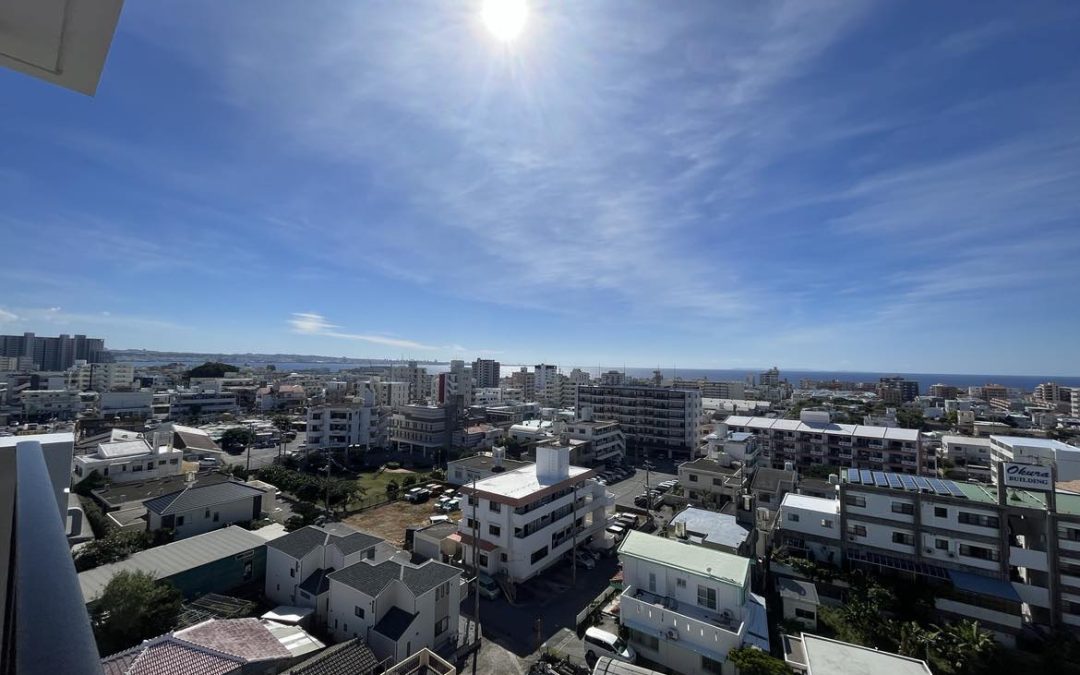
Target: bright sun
{"points": [[504, 18]]}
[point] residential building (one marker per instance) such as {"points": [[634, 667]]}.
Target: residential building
{"points": [[455, 387], [719, 531], [355, 421], [398, 607], [605, 437], [100, 376], [525, 382], [547, 384], [201, 508], [717, 478], [770, 378], [392, 395], [685, 607], [1051, 393], [945, 391], [64, 404], [421, 429], [814, 439], [352, 657], [478, 437], [138, 404], [807, 654], [54, 353], [487, 396], [125, 459], [479, 466], [652, 419], [579, 376], [969, 455], [799, 601], [525, 519], [486, 373], [215, 562], [724, 390], [1044, 451], [438, 541], [200, 404], [897, 390], [612, 378], [810, 527]]}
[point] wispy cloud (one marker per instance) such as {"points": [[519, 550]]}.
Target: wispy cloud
{"points": [[307, 323]]}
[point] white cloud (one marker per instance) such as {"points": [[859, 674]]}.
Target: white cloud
{"points": [[7, 317], [308, 323]]}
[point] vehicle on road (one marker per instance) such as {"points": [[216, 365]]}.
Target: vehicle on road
{"points": [[208, 462], [487, 587], [599, 643]]}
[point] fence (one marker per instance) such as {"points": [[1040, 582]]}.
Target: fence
{"points": [[597, 602]]}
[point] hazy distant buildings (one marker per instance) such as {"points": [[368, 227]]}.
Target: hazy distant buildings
{"points": [[53, 353], [524, 382], [613, 377], [486, 373], [653, 419], [945, 391], [100, 376], [897, 390], [770, 378]]}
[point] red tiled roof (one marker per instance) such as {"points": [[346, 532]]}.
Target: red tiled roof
{"points": [[168, 658], [247, 639]]}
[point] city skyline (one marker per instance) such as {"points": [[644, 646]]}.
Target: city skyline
{"points": [[848, 188]]}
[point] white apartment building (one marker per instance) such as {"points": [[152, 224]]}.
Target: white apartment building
{"points": [[418, 379], [547, 384], [814, 439], [810, 526], [392, 395], [1004, 556], [356, 421], [525, 382], [969, 454], [63, 404], [197, 403], [125, 404], [687, 606], [487, 396], [524, 520], [605, 437], [652, 419], [454, 385], [479, 466], [124, 459], [529, 431], [100, 376], [422, 429], [1042, 451]]}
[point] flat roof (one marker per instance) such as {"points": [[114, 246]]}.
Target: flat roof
{"points": [[170, 559], [706, 562], [487, 462], [808, 503], [843, 658], [522, 482], [44, 439], [966, 440], [860, 430], [1024, 441], [797, 590], [715, 528]]}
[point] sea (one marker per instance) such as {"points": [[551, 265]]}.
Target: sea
{"points": [[1021, 382]]}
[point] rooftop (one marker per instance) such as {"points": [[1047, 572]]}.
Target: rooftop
{"points": [[179, 556], [371, 579], [808, 503], [706, 562], [821, 655], [1026, 442], [200, 496], [798, 590], [299, 543], [353, 657], [711, 465], [710, 527], [487, 462], [858, 430], [524, 481], [140, 491]]}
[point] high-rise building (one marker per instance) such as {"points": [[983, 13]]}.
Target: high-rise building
{"points": [[770, 378], [579, 376], [54, 353], [892, 388], [653, 419], [945, 391], [486, 373], [613, 377], [547, 383], [419, 383], [525, 382], [1050, 393]]}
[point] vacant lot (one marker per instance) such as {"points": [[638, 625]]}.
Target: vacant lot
{"points": [[375, 484], [390, 520]]}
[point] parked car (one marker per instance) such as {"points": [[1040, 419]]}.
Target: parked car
{"points": [[208, 462], [602, 643], [487, 587], [617, 531], [627, 520], [417, 495], [583, 559], [641, 501]]}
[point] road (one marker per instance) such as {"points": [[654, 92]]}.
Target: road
{"points": [[262, 457], [626, 490]]}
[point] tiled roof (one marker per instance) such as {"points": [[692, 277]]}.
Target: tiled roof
{"points": [[299, 543], [317, 582], [372, 579], [394, 623], [247, 639], [168, 658], [201, 496], [348, 658]]}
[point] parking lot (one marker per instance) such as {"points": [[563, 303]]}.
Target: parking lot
{"points": [[626, 490]]}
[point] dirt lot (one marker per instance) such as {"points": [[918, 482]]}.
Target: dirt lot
{"points": [[390, 520]]}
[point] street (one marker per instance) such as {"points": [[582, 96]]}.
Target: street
{"points": [[262, 457], [626, 490]]}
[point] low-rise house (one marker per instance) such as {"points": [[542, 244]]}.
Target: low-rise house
{"points": [[398, 607], [807, 654], [352, 657], [720, 531], [711, 481], [126, 459], [686, 606], [799, 600], [437, 542], [214, 562], [201, 508], [810, 527]]}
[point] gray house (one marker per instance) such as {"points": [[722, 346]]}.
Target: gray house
{"points": [[201, 508]]}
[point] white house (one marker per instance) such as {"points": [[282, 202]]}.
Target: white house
{"points": [[396, 606], [810, 526], [128, 459], [201, 508], [807, 654], [527, 518], [479, 466], [799, 600]]}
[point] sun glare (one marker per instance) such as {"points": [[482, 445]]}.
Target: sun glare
{"points": [[504, 18]]}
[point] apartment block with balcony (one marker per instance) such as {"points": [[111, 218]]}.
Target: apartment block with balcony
{"points": [[524, 520], [687, 606], [654, 420], [421, 429], [814, 440], [355, 421]]}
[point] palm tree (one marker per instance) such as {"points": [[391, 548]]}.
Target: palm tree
{"points": [[916, 641], [963, 645]]}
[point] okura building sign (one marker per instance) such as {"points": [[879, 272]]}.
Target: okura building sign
{"points": [[1028, 477]]}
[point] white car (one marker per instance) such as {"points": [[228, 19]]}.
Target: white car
{"points": [[602, 643]]}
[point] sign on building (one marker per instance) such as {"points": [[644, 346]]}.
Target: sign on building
{"points": [[1028, 477]]}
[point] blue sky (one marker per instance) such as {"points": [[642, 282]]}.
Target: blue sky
{"points": [[878, 186]]}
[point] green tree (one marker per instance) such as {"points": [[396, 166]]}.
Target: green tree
{"points": [[236, 439], [910, 418], [965, 647], [753, 661], [113, 547], [210, 369], [133, 607], [915, 641], [392, 489]]}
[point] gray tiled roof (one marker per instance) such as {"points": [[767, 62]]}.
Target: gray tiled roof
{"points": [[357, 541], [348, 658], [372, 579], [394, 623], [422, 579], [299, 543], [201, 496], [317, 581]]}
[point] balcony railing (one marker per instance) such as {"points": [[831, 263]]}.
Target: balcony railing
{"points": [[46, 628]]}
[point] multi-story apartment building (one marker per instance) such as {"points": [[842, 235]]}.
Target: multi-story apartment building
{"points": [[62, 404], [184, 404], [896, 390], [1043, 451], [355, 421], [100, 376], [418, 379], [945, 391], [686, 606], [813, 440], [524, 520], [393, 395], [770, 378], [579, 376], [125, 404], [613, 377], [454, 386], [54, 353], [485, 373], [605, 437], [653, 419], [1008, 557], [547, 383], [422, 429], [969, 455]]}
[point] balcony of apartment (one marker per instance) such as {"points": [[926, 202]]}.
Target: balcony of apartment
{"points": [[845, 442], [1029, 558], [41, 598], [845, 455], [876, 445], [703, 630]]}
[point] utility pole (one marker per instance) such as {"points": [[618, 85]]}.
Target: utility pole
{"points": [[251, 441], [573, 550], [476, 573], [328, 486]]}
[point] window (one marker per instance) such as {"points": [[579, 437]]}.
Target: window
{"points": [[494, 530], [764, 498], [855, 500], [904, 538], [483, 560], [346, 628], [217, 516], [161, 462], [941, 512], [539, 554], [857, 530], [978, 552], [941, 544], [1071, 534], [358, 611], [965, 518], [441, 625], [292, 572], [801, 613], [711, 665], [645, 640], [652, 582], [495, 506], [471, 524], [903, 508], [503, 557], [681, 583], [826, 523], [706, 597], [179, 521], [793, 517], [137, 467], [693, 477], [207, 514]]}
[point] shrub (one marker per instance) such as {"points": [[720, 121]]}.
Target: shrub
{"points": [[408, 480], [392, 465]]}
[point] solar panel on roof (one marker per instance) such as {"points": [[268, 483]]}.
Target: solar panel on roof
{"points": [[939, 487], [853, 476], [880, 480], [908, 481], [923, 484], [864, 475], [954, 489], [894, 480]]}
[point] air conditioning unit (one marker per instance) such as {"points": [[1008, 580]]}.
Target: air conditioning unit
{"points": [[672, 634]]}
